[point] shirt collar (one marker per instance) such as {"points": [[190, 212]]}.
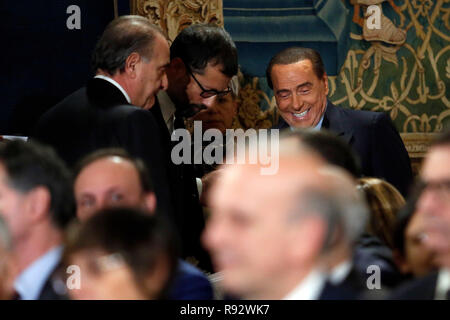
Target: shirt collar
{"points": [[116, 84], [442, 284], [30, 282], [340, 272], [310, 288]]}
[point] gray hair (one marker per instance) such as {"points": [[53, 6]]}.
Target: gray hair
{"points": [[5, 239], [345, 213]]}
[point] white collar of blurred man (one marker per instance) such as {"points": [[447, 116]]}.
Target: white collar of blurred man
{"points": [[268, 236]]}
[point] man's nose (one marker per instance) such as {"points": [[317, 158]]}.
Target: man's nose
{"points": [[297, 102], [209, 102]]}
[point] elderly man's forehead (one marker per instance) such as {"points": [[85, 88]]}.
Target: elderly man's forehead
{"points": [[293, 170]]}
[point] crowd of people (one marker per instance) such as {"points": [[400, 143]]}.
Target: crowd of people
{"points": [[93, 206]]}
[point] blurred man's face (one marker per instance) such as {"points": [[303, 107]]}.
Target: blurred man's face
{"points": [[104, 278], [108, 182], [434, 203], [419, 258], [151, 76], [248, 233], [301, 96], [220, 115], [13, 206]]}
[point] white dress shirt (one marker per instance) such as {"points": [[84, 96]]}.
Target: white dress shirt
{"points": [[338, 274], [310, 288], [30, 282]]}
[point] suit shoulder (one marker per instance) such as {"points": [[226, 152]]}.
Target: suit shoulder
{"points": [[419, 289], [362, 117]]}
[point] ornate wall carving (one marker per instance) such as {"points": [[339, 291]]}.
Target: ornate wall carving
{"points": [[407, 78], [175, 15]]}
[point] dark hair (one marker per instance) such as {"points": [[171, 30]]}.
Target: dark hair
{"points": [[142, 240], [293, 55], [29, 165], [123, 36], [442, 139], [330, 147], [139, 165], [200, 44]]}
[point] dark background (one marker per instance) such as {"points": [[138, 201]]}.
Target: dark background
{"points": [[42, 61]]}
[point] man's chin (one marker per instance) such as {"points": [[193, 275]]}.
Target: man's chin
{"points": [[149, 103]]}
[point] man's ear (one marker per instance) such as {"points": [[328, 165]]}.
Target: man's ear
{"points": [[325, 79], [131, 64], [38, 203], [150, 202]]}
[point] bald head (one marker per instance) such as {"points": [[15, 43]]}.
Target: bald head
{"points": [[110, 181]]}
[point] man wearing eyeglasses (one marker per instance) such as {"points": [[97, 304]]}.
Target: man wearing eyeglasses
{"points": [[203, 59], [434, 206]]}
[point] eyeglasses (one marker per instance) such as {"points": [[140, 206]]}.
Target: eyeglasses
{"points": [[442, 188], [209, 93]]}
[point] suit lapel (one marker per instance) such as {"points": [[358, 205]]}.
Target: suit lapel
{"points": [[333, 121]]}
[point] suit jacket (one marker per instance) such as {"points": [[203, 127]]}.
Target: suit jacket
{"points": [[420, 289], [99, 116], [54, 288], [187, 207], [375, 141], [190, 284]]}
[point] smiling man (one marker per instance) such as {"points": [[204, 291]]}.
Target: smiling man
{"points": [[300, 84]]}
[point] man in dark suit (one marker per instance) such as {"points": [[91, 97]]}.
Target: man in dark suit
{"points": [[129, 61], [300, 84], [36, 201], [434, 204], [203, 59]]}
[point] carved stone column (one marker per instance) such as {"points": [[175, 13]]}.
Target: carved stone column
{"points": [[175, 15]]}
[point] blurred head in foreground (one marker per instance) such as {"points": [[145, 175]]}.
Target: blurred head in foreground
{"points": [[121, 254], [434, 201], [268, 233], [411, 253], [112, 178]]}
